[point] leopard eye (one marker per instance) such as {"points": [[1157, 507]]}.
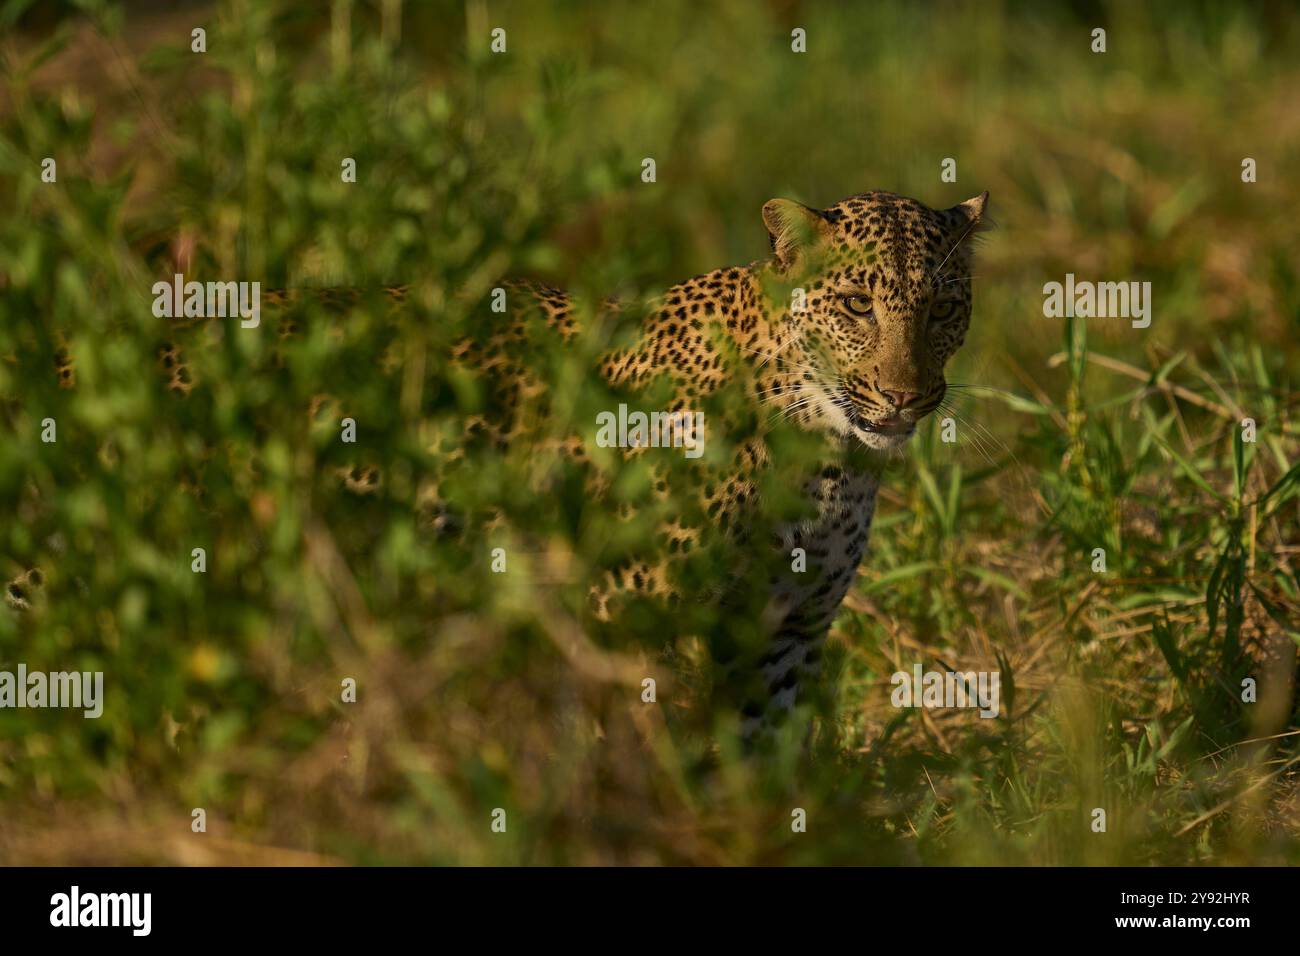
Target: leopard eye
{"points": [[942, 310], [859, 305]]}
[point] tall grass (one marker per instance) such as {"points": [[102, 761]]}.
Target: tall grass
{"points": [[1121, 690]]}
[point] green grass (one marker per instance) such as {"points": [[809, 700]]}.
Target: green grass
{"points": [[1121, 689]]}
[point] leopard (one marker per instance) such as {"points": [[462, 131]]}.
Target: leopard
{"points": [[872, 299], [843, 332]]}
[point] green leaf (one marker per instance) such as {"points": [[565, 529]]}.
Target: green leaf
{"points": [[954, 496], [1175, 738], [931, 489], [1163, 371], [1287, 484], [1155, 596], [1188, 469], [1212, 589], [904, 573], [998, 580], [1020, 403], [1163, 634]]}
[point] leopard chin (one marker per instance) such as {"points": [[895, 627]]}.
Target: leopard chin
{"points": [[883, 440], [886, 442]]}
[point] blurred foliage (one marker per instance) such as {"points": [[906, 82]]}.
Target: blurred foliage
{"points": [[477, 692]]}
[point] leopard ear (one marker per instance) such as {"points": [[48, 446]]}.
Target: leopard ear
{"points": [[972, 212], [792, 227]]}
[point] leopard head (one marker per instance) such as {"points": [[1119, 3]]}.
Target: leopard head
{"points": [[880, 301]]}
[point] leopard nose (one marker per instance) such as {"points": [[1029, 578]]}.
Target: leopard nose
{"points": [[901, 400]]}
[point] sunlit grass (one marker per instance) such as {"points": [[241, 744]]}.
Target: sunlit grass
{"points": [[1121, 689]]}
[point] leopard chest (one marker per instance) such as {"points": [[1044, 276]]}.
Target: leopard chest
{"points": [[833, 541]]}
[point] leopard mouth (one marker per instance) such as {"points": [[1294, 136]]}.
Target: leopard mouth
{"points": [[892, 426]]}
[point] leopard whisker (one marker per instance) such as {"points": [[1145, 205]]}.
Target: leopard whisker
{"points": [[767, 357], [939, 270], [788, 411], [981, 434], [976, 439], [967, 387]]}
